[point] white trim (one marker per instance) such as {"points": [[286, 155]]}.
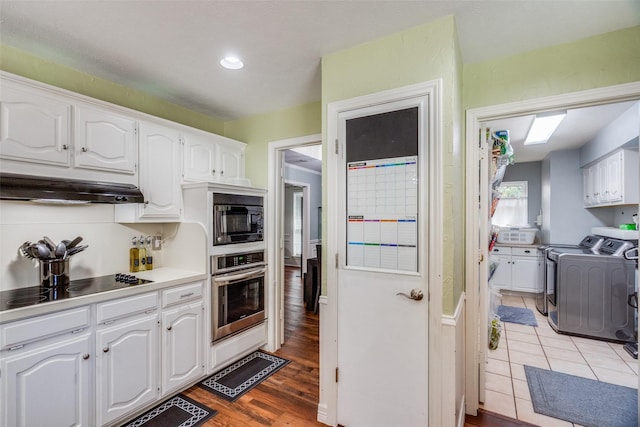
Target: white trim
{"points": [[453, 319], [329, 312], [306, 220], [275, 275], [475, 251]]}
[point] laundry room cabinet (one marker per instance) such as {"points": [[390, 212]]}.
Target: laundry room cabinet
{"points": [[613, 180], [517, 268]]}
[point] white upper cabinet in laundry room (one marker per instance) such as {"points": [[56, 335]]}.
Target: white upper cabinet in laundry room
{"points": [[104, 140], [613, 180], [35, 126], [212, 158]]}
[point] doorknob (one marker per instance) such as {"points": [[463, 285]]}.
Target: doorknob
{"points": [[416, 294]]}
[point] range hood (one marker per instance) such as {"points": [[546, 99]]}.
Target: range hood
{"points": [[56, 190]]}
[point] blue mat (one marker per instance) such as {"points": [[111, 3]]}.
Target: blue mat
{"points": [[522, 316], [582, 401]]}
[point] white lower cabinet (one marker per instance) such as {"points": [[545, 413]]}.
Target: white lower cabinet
{"points": [[127, 356], [63, 369], [182, 336], [46, 370], [126, 367], [517, 269], [182, 346], [49, 385]]}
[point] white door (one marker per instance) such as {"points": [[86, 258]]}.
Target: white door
{"points": [[382, 288]]}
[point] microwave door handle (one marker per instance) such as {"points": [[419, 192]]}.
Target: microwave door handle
{"points": [[241, 276]]}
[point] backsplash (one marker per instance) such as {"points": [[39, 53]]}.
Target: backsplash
{"points": [[109, 242]]}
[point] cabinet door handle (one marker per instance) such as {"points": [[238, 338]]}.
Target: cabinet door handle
{"points": [[169, 328], [213, 171], [85, 356], [65, 147], [105, 350], [84, 149], [186, 295]]}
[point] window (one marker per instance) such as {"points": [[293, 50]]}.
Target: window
{"points": [[512, 210]]}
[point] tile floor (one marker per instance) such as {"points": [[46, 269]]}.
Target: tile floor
{"points": [[506, 390]]}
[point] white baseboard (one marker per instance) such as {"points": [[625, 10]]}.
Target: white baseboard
{"points": [[322, 413]]}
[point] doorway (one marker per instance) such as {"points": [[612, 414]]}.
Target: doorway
{"points": [[290, 161], [478, 224]]}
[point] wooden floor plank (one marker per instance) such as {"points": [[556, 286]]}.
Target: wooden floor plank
{"points": [[290, 396]]}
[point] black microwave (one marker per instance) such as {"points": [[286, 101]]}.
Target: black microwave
{"points": [[237, 218]]}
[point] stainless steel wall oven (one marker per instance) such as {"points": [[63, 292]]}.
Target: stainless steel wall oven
{"points": [[238, 294]]}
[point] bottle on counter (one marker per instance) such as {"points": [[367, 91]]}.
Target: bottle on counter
{"points": [[149, 251], [134, 257], [142, 253]]}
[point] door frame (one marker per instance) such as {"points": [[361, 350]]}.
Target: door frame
{"points": [[327, 408], [477, 230], [275, 231], [306, 220]]}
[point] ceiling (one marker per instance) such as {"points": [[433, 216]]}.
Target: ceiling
{"points": [[579, 126], [171, 49]]}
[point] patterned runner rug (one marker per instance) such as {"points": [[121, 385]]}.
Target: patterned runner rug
{"points": [[179, 411], [237, 379]]}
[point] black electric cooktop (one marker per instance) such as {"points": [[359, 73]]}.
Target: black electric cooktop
{"points": [[16, 298]]}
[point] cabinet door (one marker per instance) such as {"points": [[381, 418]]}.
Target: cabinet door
{"points": [[614, 177], [231, 162], [502, 276], [200, 159], [104, 140], [524, 273], [587, 187], [34, 126], [49, 386], [182, 346], [601, 195], [126, 367], [160, 172]]}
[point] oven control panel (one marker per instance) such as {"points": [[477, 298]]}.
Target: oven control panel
{"points": [[230, 262]]}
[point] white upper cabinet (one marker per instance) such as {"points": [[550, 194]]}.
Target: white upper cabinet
{"points": [[212, 158], [34, 126], [105, 140], [613, 180]]}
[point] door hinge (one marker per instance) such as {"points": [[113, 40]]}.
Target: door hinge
{"points": [[336, 374], [480, 258], [337, 145], [337, 261]]}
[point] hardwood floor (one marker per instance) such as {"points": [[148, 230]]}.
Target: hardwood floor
{"points": [[290, 396]]}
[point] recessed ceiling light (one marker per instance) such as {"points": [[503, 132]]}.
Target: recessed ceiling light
{"points": [[231, 62]]}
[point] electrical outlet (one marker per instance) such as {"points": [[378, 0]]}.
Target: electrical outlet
{"points": [[157, 242]]}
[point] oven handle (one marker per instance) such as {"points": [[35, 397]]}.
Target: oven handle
{"points": [[241, 276]]}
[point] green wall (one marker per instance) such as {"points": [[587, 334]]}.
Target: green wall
{"points": [[416, 55], [594, 62], [258, 131], [23, 64]]}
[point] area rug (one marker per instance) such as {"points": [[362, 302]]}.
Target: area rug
{"points": [[522, 316], [582, 401], [233, 381], [179, 411]]}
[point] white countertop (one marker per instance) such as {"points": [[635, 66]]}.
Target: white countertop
{"points": [[162, 278]]}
